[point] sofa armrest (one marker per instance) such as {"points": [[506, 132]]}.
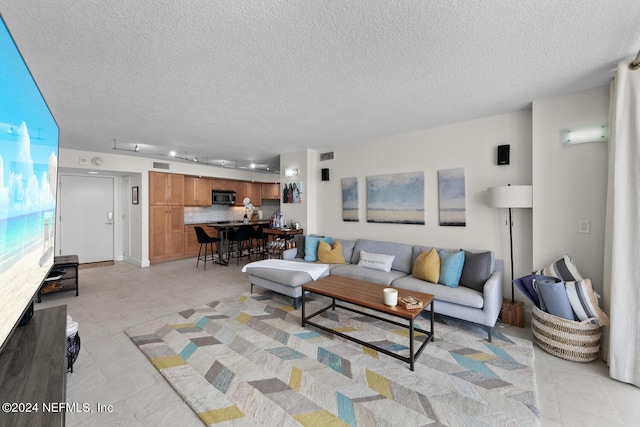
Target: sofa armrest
{"points": [[289, 253], [492, 294]]}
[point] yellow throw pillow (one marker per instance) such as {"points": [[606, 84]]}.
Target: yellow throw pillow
{"points": [[329, 255], [427, 266]]}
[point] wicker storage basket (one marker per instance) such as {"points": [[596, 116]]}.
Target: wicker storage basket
{"points": [[567, 339]]}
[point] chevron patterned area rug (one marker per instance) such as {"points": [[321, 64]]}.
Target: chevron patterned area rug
{"points": [[247, 361]]}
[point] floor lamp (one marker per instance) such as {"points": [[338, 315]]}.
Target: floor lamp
{"points": [[510, 196]]}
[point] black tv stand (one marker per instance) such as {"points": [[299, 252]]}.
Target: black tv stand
{"points": [[69, 280], [33, 366]]}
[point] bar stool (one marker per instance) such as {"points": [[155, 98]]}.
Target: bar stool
{"points": [[207, 241], [260, 241], [241, 238]]}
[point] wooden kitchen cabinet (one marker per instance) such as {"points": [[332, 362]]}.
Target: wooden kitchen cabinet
{"points": [[166, 189], [197, 191], [270, 191], [252, 190], [166, 232], [223, 184], [255, 193]]}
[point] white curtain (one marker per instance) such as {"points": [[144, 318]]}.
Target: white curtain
{"points": [[622, 233]]}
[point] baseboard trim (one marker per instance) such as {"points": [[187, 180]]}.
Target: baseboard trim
{"points": [[95, 264]]}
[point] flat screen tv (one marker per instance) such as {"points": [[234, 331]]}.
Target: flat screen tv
{"points": [[28, 182]]}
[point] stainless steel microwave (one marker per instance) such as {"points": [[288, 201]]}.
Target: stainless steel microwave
{"points": [[223, 197]]}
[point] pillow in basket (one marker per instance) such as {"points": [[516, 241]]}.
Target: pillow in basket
{"points": [[584, 301], [564, 269]]}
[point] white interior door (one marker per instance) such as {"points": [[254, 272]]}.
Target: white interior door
{"points": [[85, 218]]}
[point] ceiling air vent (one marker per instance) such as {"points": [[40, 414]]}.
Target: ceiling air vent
{"points": [[158, 165], [326, 156]]}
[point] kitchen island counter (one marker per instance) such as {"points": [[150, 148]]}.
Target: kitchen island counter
{"points": [[223, 232]]}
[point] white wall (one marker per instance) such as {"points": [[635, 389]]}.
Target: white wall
{"points": [[569, 182], [470, 145]]}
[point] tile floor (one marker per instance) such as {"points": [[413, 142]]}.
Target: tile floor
{"points": [[112, 371]]}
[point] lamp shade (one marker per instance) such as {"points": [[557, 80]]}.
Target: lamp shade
{"points": [[510, 196]]}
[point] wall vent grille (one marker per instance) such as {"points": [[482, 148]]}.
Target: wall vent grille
{"points": [[326, 156], [158, 165]]}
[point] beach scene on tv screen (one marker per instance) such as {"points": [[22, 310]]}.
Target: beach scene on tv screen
{"points": [[28, 180]]}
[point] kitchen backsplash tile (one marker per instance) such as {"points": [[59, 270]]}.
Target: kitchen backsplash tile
{"points": [[195, 215]]}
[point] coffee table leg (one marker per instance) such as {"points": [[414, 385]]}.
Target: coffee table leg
{"points": [[411, 354], [432, 319], [333, 305], [303, 292]]}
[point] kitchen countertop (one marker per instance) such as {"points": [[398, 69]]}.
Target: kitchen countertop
{"points": [[223, 224], [227, 222]]}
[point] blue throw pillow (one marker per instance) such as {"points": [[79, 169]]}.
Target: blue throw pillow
{"points": [[311, 247], [450, 268]]}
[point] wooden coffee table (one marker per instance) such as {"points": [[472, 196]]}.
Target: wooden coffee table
{"points": [[369, 295]]}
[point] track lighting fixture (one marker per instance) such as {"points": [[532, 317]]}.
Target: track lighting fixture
{"points": [[194, 158]]}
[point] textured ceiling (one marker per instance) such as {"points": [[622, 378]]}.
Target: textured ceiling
{"points": [[247, 80]]}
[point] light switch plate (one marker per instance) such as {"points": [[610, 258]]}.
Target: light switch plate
{"points": [[584, 226]]}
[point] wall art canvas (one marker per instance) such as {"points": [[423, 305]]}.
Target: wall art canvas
{"points": [[396, 198], [453, 210], [292, 192], [350, 200]]}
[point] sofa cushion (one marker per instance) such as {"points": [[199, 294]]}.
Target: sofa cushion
{"points": [[330, 255], [380, 262], [450, 267], [477, 269], [460, 295], [311, 247], [427, 266], [402, 252], [375, 276]]}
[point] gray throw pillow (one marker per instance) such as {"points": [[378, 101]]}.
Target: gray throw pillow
{"points": [[298, 239], [476, 270]]}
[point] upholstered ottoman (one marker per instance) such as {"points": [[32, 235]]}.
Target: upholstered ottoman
{"points": [[284, 277]]}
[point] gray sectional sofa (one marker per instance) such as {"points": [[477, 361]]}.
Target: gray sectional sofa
{"points": [[478, 301]]}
